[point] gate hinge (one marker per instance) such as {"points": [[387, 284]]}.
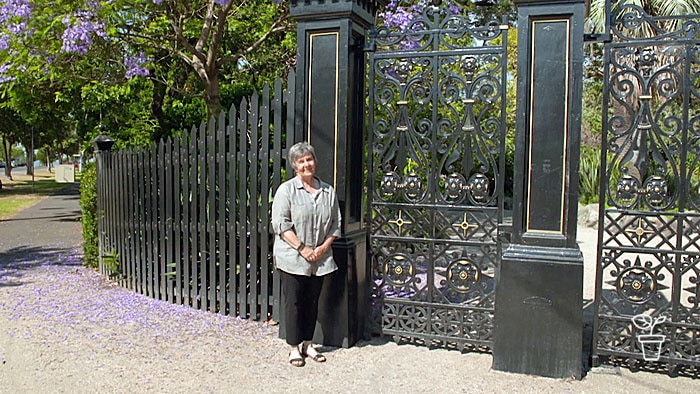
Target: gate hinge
{"points": [[370, 43]]}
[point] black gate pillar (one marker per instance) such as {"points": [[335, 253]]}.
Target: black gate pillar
{"points": [[539, 297], [329, 115]]}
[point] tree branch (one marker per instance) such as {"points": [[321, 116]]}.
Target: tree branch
{"points": [[276, 27], [219, 33], [185, 43], [206, 27]]}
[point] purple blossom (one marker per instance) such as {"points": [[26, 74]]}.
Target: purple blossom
{"points": [[16, 28], [60, 303], [14, 15], [400, 18], [4, 42], [15, 9], [78, 35], [455, 9], [81, 28], [135, 66], [4, 69]]}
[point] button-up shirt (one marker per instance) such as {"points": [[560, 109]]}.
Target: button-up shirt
{"points": [[313, 217]]}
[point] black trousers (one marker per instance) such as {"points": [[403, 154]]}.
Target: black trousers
{"points": [[301, 295]]}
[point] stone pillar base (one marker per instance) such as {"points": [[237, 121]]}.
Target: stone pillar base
{"points": [[539, 312]]}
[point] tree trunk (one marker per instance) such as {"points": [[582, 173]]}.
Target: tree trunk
{"points": [[27, 142], [48, 159], [213, 97], [30, 161], [7, 153]]}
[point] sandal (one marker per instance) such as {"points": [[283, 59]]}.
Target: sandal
{"points": [[297, 360], [318, 357]]}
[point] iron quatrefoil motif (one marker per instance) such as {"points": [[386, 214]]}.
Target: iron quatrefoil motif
{"points": [[399, 270], [463, 275]]}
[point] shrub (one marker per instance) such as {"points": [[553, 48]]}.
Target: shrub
{"points": [[88, 206], [589, 175]]}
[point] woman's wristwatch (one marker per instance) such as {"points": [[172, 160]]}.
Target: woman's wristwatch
{"points": [[300, 247]]}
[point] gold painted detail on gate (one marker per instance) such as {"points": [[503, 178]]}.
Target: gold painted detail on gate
{"points": [[640, 232], [400, 221], [465, 225]]}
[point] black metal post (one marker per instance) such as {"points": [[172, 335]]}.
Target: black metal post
{"points": [[102, 145], [539, 297], [329, 115]]}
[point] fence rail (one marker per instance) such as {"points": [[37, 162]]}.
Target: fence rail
{"points": [[187, 219]]}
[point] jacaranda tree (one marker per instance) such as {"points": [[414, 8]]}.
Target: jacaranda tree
{"points": [[140, 64]]}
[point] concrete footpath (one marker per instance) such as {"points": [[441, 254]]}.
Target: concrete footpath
{"points": [[45, 230], [65, 329]]}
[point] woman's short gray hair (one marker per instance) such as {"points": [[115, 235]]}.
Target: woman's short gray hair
{"points": [[300, 149]]}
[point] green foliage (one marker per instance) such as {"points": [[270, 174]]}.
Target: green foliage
{"points": [[511, 100], [73, 96], [110, 260], [171, 272], [596, 17], [121, 111], [592, 117], [589, 175], [88, 206], [18, 154], [196, 50], [46, 156]]}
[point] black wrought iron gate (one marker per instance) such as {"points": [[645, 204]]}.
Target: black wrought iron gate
{"points": [[437, 128], [648, 281]]}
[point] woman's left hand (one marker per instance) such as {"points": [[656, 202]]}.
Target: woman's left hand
{"points": [[319, 251], [309, 254]]}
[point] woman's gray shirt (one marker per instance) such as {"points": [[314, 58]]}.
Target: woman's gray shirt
{"points": [[313, 217]]}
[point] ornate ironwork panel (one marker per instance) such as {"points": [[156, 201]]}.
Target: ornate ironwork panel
{"points": [[437, 126], [648, 279]]}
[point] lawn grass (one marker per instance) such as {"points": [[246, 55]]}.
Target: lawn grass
{"points": [[18, 194]]}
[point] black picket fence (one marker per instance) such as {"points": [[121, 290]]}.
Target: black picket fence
{"points": [[187, 219]]}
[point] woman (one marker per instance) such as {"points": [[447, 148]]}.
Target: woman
{"points": [[306, 221]]}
